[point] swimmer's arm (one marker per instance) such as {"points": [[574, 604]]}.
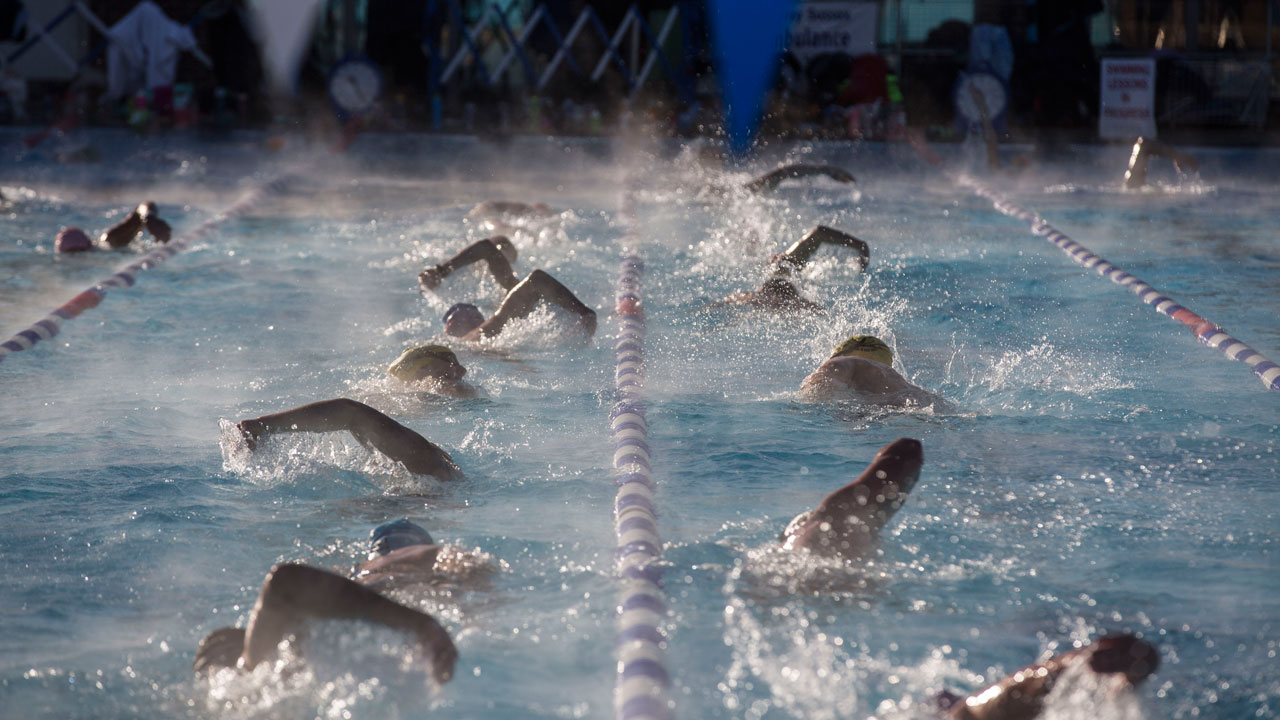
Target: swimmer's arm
{"points": [[413, 560], [808, 306], [496, 207], [525, 296], [798, 254], [771, 180], [158, 228], [123, 232], [1143, 149], [486, 250], [988, 131], [368, 426], [1020, 695], [293, 594]]}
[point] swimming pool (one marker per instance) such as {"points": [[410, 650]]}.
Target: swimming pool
{"points": [[1097, 470]]}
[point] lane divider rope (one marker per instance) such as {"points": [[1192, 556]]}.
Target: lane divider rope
{"points": [[51, 324], [642, 688], [1208, 333]]}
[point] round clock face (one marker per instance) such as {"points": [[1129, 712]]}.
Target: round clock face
{"points": [[354, 86], [984, 85]]}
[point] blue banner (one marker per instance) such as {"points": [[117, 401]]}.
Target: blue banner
{"points": [[748, 36]]}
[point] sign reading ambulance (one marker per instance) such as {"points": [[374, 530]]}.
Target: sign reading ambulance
{"points": [[1127, 99], [832, 27]]}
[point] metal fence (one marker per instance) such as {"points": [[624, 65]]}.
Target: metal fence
{"points": [[632, 50], [1211, 91]]}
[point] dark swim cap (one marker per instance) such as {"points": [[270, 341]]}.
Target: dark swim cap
{"points": [[398, 534], [462, 318], [72, 239], [1124, 653]]}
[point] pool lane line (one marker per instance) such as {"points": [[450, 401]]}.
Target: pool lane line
{"points": [[51, 324], [1208, 333], [642, 688]]}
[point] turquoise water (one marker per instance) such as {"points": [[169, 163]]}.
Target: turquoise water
{"points": [[1096, 469]]}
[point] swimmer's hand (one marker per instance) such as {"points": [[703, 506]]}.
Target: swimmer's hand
{"points": [[1185, 163], [430, 278], [587, 321], [840, 174], [159, 229], [251, 430], [444, 654]]}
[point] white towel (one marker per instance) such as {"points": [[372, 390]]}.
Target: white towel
{"points": [[144, 50]]}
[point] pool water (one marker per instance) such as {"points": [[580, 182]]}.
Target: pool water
{"points": [[1092, 469]]}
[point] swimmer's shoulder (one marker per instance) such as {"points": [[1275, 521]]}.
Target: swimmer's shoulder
{"points": [[843, 378]]}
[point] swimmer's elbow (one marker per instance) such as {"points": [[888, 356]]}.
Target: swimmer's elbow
{"points": [[283, 576]]}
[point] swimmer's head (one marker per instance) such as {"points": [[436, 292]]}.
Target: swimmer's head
{"points": [[779, 288], [397, 534], [72, 239], [427, 361], [781, 265], [1126, 654], [462, 318], [505, 247], [865, 346]]}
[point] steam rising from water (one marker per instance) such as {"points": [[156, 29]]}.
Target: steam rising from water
{"points": [[1068, 496]]}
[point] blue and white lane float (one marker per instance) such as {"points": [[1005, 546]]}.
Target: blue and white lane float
{"points": [[1208, 333], [51, 324], [642, 688]]}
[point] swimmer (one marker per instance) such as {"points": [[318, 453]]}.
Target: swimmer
{"points": [[370, 428], [72, 240], [126, 230], [768, 182], [797, 256], [1136, 175], [402, 552], [465, 320], [778, 294], [433, 368], [862, 368], [847, 523], [775, 294], [497, 252], [509, 209], [1121, 661]]}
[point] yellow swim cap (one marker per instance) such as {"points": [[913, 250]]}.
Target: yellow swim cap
{"points": [[406, 366], [865, 346]]}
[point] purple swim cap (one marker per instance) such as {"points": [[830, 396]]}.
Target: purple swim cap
{"points": [[462, 318], [72, 239]]}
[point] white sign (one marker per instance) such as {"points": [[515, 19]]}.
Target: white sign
{"points": [[1127, 99], [828, 27]]}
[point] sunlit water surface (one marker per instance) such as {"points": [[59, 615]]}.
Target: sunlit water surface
{"points": [[1094, 469]]}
